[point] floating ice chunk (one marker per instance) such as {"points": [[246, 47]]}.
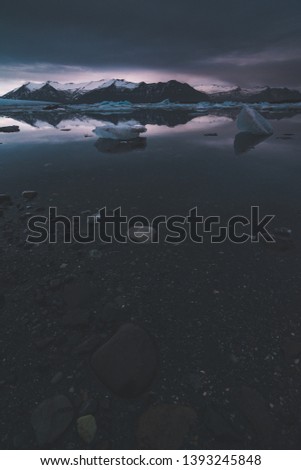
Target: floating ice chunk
{"points": [[121, 131], [251, 121]]}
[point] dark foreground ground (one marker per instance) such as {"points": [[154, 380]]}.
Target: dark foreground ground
{"points": [[211, 358]]}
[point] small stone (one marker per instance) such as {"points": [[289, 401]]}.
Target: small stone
{"points": [[51, 418], [86, 428], [29, 194]]}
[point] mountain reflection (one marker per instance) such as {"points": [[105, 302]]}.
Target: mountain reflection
{"points": [[159, 117]]}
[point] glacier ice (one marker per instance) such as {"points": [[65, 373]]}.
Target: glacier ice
{"points": [[251, 121], [123, 131]]}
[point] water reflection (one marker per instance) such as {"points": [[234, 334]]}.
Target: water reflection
{"points": [[245, 141], [120, 146]]}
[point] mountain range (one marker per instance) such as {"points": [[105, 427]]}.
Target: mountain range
{"points": [[122, 90]]}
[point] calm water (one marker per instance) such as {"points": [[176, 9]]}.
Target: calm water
{"points": [[220, 314]]}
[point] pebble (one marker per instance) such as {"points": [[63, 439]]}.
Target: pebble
{"points": [[51, 418], [86, 428]]}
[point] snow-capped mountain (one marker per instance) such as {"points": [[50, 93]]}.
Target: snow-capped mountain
{"points": [[108, 90], [116, 90], [255, 95]]}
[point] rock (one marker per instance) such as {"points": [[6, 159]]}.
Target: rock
{"points": [[10, 129], [165, 427], [126, 363], [211, 134], [86, 428], [5, 199], [255, 409], [291, 348], [51, 418], [29, 195]]}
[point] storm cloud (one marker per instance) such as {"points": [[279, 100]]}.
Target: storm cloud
{"points": [[242, 42]]}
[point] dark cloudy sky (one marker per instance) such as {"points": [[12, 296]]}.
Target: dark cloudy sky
{"points": [[244, 42]]}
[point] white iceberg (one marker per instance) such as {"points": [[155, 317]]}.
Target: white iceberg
{"points": [[251, 121], [122, 131]]}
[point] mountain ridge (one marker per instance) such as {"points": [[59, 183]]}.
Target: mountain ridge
{"points": [[122, 90]]}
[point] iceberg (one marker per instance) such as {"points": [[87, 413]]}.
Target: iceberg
{"points": [[122, 131], [251, 121]]}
